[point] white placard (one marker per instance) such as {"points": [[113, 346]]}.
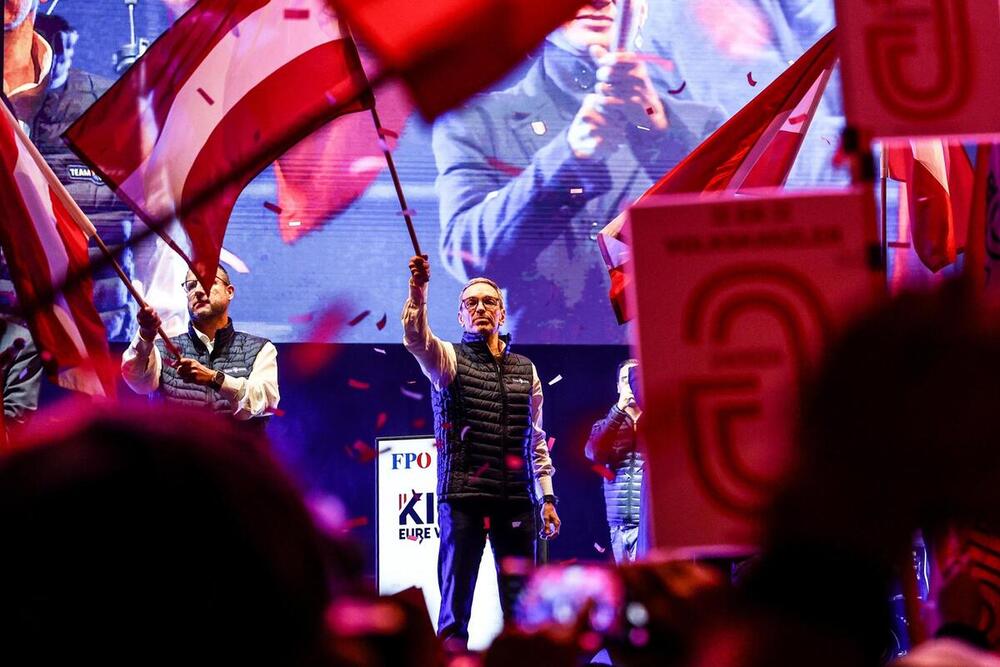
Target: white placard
{"points": [[408, 535]]}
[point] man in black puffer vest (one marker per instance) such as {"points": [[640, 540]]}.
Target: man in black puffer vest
{"points": [[613, 443], [494, 467], [227, 371]]}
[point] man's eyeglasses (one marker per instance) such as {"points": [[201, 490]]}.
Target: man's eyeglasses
{"points": [[190, 285], [489, 303]]}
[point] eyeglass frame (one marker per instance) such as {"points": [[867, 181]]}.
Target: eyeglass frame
{"points": [[218, 279], [497, 303]]}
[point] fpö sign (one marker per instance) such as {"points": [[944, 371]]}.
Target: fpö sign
{"points": [[921, 67], [409, 535]]}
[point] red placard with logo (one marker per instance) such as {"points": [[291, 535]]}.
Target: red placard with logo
{"points": [[735, 298], [920, 67]]}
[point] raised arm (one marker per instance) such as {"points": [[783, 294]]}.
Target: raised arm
{"points": [[435, 356]]}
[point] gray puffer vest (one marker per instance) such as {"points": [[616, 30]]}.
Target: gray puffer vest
{"points": [[613, 443], [234, 353], [482, 423]]}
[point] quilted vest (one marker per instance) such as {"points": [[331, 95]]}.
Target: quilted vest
{"points": [[234, 353], [482, 423]]}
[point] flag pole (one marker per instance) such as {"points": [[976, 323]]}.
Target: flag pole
{"points": [[884, 192], [404, 209], [80, 218]]}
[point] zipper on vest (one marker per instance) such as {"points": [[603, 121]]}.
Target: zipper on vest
{"points": [[503, 423]]}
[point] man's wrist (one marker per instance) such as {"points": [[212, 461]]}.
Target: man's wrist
{"points": [[147, 336], [550, 498]]}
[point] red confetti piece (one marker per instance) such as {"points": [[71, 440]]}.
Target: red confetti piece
{"points": [[46, 356], [385, 132], [381, 323], [552, 443], [381, 420], [365, 451], [479, 471], [750, 79], [417, 396], [278, 412], [603, 471], [797, 120], [311, 357], [568, 561], [356, 522], [358, 318], [599, 548], [296, 14], [513, 462], [358, 384], [205, 96], [678, 90], [274, 208], [486, 523], [412, 538], [504, 167], [419, 423]]}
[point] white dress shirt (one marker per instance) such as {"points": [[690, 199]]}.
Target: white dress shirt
{"points": [[254, 396], [438, 362]]}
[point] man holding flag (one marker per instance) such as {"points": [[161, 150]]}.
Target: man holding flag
{"points": [[527, 175]]}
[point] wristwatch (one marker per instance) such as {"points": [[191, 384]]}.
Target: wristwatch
{"points": [[216, 382]]}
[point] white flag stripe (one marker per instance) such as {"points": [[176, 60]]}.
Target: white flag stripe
{"points": [[185, 131], [930, 153]]}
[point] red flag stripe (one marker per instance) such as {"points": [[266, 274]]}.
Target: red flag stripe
{"points": [[173, 59]]}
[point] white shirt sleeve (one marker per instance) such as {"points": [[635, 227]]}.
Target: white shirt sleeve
{"points": [[257, 395], [141, 365], [436, 357], [541, 461]]}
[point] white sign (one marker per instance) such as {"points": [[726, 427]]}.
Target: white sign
{"points": [[920, 67], [408, 535]]}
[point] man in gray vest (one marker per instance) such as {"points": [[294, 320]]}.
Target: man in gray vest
{"points": [[228, 371], [494, 468], [613, 443]]}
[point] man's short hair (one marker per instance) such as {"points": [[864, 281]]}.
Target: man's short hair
{"points": [[482, 280], [627, 362], [221, 269]]}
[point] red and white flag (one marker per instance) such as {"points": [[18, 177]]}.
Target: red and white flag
{"points": [[230, 87], [755, 148], [935, 197], [44, 238]]}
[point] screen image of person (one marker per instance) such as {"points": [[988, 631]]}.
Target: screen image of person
{"points": [[529, 174]]}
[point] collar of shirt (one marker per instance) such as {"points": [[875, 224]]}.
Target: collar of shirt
{"points": [[209, 343], [41, 55]]}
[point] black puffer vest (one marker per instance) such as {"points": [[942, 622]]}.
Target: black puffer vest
{"points": [[615, 438], [482, 422], [234, 353]]}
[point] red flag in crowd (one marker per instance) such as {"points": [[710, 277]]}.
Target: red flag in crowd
{"points": [[935, 197], [755, 148], [231, 86], [44, 238], [448, 50]]}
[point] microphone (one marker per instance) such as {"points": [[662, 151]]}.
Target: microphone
{"points": [[123, 58]]}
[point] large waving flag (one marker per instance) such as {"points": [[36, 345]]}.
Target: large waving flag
{"points": [[448, 50], [935, 197], [44, 238], [755, 148], [231, 86]]}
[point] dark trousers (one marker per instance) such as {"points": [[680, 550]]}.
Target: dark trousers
{"points": [[464, 527]]}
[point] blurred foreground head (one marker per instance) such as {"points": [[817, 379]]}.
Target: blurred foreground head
{"points": [[152, 537]]}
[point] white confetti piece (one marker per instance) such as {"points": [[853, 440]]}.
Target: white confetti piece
{"points": [[379, 350], [417, 396], [538, 127], [555, 379]]}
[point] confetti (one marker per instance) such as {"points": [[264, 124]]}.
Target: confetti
{"points": [[513, 462], [515, 524], [797, 120], [678, 90], [479, 471], [599, 548], [750, 79], [233, 261], [278, 412], [380, 420], [358, 384], [412, 538], [603, 471], [46, 356], [358, 318], [446, 426], [304, 318], [555, 379], [590, 642], [486, 523], [365, 451], [205, 96], [296, 14], [385, 132], [650, 111], [411, 382], [419, 423], [464, 431], [379, 350], [552, 443], [504, 167], [381, 323], [274, 208], [356, 522], [417, 396]]}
